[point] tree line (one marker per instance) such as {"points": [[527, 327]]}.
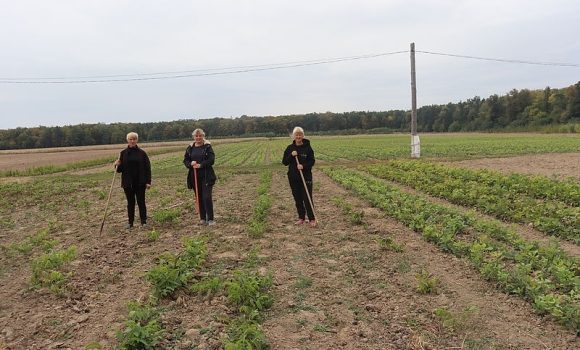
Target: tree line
{"points": [[522, 110]]}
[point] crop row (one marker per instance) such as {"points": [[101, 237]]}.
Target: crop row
{"points": [[517, 198], [543, 274]]}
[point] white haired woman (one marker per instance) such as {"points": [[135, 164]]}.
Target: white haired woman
{"points": [[300, 149], [135, 167]]}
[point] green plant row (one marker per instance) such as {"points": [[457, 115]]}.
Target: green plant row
{"points": [[542, 274], [537, 186], [246, 290], [258, 224], [233, 155], [503, 196]]}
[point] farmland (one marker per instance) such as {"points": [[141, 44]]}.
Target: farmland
{"points": [[473, 246]]}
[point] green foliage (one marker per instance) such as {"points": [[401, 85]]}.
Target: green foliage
{"points": [[166, 215], [258, 225], [207, 285], [541, 273], [45, 270], [356, 217], [245, 334], [142, 330], [173, 272], [152, 235], [248, 290], [452, 322], [388, 244]]}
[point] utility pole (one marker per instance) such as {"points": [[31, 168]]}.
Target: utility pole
{"points": [[415, 142]]}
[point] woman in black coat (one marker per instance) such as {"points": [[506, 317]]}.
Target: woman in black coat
{"points": [[300, 149], [199, 157], [135, 167]]}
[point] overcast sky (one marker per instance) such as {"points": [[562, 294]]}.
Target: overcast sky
{"points": [[69, 62]]}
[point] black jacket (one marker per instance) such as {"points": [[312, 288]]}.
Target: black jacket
{"points": [[143, 168], [206, 172], [305, 157]]}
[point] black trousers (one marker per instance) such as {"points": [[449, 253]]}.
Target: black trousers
{"points": [[205, 200], [303, 206], [136, 194]]}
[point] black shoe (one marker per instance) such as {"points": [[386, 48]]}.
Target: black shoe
{"points": [[128, 226]]}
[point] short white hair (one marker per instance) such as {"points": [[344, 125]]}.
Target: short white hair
{"points": [[297, 130], [132, 135]]}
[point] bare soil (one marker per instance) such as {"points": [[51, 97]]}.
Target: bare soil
{"points": [[358, 296]]}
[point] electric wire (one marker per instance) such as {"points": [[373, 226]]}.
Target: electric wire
{"points": [[503, 60], [186, 74], [246, 69]]}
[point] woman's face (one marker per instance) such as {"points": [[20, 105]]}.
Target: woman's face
{"points": [[198, 138], [298, 137], [132, 141]]}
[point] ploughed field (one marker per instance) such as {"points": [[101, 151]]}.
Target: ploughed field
{"points": [[472, 246]]}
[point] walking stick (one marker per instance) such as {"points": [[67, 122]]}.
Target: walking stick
{"points": [[306, 189], [108, 199], [196, 191]]}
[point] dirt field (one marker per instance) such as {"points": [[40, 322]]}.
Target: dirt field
{"points": [[359, 296]]}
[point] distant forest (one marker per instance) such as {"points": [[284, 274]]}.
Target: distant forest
{"points": [[547, 110]]}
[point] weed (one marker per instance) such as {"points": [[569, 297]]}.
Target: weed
{"points": [[320, 328], [389, 244], [45, 273], [426, 283], [152, 235], [166, 215], [357, 217], [207, 285], [303, 282], [452, 322]]}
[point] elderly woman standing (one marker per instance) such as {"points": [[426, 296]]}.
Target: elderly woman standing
{"points": [[135, 167], [199, 159], [299, 157]]}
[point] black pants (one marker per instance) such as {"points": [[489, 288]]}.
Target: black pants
{"points": [[132, 194], [303, 206], [205, 200]]}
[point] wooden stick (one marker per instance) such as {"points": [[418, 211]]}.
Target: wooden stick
{"points": [[307, 193], [108, 199]]}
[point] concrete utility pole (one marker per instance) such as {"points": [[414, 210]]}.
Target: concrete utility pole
{"points": [[415, 142]]}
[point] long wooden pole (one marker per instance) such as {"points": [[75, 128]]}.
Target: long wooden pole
{"points": [[108, 199], [307, 193]]}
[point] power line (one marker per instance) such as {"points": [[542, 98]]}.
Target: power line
{"points": [[503, 60], [244, 69], [185, 74]]}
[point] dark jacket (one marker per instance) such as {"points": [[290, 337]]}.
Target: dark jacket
{"points": [[305, 157], [142, 169], [206, 172]]}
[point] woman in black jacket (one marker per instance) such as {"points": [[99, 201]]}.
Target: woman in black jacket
{"points": [[199, 158], [300, 149], [135, 167]]}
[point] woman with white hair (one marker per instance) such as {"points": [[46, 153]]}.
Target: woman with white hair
{"points": [[299, 158], [135, 167]]}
